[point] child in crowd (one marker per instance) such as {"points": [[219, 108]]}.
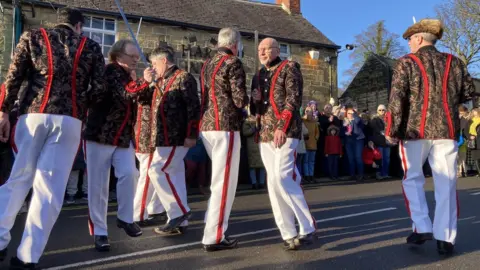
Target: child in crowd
{"points": [[310, 144], [372, 158], [333, 150]]}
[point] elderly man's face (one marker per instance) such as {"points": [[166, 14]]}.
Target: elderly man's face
{"points": [[414, 42], [268, 50]]}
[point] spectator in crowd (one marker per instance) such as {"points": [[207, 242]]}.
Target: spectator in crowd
{"points": [[333, 150], [354, 142], [372, 158], [310, 144], [377, 126], [314, 106], [72, 185], [463, 149], [301, 150], [474, 131], [196, 166], [255, 163], [325, 119]]}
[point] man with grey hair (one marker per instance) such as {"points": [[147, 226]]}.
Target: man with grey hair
{"points": [[224, 96], [175, 113], [427, 88]]}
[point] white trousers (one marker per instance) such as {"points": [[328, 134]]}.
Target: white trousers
{"points": [[223, 147], [286, 194], [146, 200], [72, 186], [47, 145], [167, 173], [100, 158], [442, 156]]}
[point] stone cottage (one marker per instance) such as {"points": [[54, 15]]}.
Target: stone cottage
{"points": [[191, 28]]}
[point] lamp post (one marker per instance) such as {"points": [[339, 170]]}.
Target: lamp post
{"points": [[329, 60]]}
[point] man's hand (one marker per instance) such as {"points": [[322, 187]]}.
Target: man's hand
{"points": [[133, 75], [189, 143], [472, 137], [330, 119], [279, 138], [148, 74], [4, 127], [391, 140], [256, 95]]}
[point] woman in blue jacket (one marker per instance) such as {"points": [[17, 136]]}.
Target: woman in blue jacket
{"points": [[354, 143]]}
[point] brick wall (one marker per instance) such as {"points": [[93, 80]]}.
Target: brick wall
{"points": [[315, 72]]}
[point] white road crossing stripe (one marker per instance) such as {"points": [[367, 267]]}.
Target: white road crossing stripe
{"points": [[474, 194], [150, 251]]}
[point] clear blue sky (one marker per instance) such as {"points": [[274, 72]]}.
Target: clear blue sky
{"points": [[341, 20]]}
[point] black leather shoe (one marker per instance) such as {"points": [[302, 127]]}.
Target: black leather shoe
{"points": [[445, 248], [3, 254], [291, 244], [177, 231], [153, 220], [419, 238], [175, 223], [227, 243], [131, 229], [17, 264], [305, 239], [101, 243]]}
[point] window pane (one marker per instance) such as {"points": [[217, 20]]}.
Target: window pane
{"points": [[108, 39], [284, 48], [97, 23], [97, 37], [109, 24], [86, 34], [106, 49], [87, 21]]}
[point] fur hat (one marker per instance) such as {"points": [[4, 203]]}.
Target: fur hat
{"points": [[432, 26], [332, 127]]}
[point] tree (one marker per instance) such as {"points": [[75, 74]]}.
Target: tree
{"points": [[375, 39], [461, 20]]}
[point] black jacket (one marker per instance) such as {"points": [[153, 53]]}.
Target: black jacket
{"points": [[377, 126]]}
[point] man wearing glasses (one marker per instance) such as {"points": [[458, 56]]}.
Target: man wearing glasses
{"points": [[277, 95], [109, 142], [427, 88], [57, 66]]}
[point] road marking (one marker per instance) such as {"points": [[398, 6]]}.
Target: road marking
{"points": [[475, 194], [150, 251]]}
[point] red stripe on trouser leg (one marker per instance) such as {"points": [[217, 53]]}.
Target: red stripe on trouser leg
{"points": [[145, 190], [226, 180], [172, 187], [405, 170], [294, 176], [91, 228]]}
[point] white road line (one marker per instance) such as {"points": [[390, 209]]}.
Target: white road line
{"points": [[150, 251], [475, 194]]}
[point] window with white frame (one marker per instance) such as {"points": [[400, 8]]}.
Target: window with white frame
{"points": [[284, 51], [101, 30]]}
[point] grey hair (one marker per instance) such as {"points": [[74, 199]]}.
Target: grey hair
{"points": [[118, 48], [163, 52], [228, 37], [428, 37]]}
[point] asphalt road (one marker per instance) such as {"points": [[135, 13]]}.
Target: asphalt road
{"points": [[360, 226]]}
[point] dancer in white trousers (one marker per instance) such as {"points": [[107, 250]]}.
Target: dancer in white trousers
{"points": [[175, 113], [109, 142], [277, 94], [223, 97], [427, 88], [147, 207], [47, 134]]}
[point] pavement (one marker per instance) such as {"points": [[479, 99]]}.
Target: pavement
{"points": [[360, 226]]}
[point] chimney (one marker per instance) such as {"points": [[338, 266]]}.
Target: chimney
{"points": [[291, 6]]}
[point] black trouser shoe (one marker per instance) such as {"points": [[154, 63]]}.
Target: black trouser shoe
{"points": [[101, 243], [17, 264], [419, 238], [153, 220], [131, 229], [444, 248], [3, 254], [305, 239], [227, 243], [175, 223], [177, 231], [291, 244]]}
